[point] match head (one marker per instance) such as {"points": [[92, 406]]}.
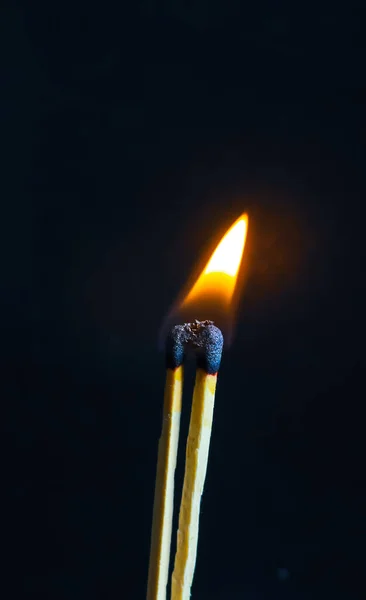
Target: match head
{"points": [[201, 338]]}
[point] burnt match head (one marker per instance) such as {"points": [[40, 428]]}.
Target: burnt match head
{"points": [[201, 338]]}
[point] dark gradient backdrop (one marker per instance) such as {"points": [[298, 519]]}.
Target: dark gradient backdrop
{"points": [[131, 136]]}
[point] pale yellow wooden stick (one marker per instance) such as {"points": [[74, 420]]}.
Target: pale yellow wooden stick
{"points": [[164, 487], [195, 472]]}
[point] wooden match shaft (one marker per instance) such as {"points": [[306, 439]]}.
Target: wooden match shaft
{"points": [[164, 486], [195, 472]]}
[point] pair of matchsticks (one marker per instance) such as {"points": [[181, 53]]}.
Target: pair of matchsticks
{"points": [[206, 341]]}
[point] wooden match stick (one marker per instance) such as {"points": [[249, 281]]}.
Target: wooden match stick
{"points": [[207, 341], [164, 482]]}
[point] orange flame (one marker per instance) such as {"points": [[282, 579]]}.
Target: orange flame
{"points": [[218, 279], [212, 297]]}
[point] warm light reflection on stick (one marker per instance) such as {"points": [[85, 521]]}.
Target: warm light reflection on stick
{"points": [[164, 487], [197, 450]]}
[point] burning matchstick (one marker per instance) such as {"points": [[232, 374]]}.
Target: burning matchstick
{"points": [[214, 288], [206, 340]]}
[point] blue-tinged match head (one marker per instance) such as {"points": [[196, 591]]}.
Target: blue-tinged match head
{"points": [[201, 338]]}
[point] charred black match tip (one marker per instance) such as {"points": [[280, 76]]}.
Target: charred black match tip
{"points": [[201, 338]]}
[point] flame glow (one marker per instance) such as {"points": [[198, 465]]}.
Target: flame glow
{"points": [[218, 279]]}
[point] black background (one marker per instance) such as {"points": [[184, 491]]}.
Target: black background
{"points": [[132, 137]]}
